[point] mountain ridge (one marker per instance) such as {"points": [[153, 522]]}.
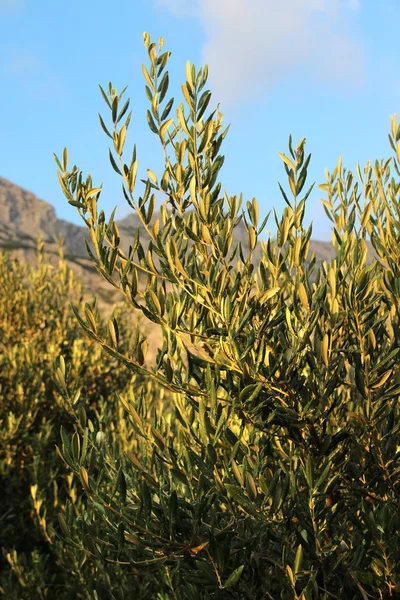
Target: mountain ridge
{"points": [[24, 216]]}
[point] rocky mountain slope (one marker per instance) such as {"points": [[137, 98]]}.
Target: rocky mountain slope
{"points": [[23, 216]]}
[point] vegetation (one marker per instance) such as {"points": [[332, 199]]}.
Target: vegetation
{"points": [[37, 326], [277, 473], [258, 457]]}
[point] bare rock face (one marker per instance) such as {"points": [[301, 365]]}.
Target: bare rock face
{"points": [[23, 212], [23, 217]]}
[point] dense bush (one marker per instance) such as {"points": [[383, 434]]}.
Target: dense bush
{"points": [[276, 474], [37, 326]]}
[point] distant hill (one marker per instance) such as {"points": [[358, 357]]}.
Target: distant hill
{"points": [[23, 216]]}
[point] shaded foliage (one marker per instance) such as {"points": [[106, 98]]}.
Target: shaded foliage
{"points": [[37, 326]]}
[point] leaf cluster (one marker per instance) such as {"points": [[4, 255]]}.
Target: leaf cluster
{"points": [[276, 471], [37, 326]]}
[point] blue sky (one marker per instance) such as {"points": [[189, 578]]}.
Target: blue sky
{"points": [[326, 70]]}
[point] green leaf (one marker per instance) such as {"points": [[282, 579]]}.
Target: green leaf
{"points": [[114, 109], [103, 125], [114, 164], [123, 110], [57, 162], [234, 577], [64, 525], [268, 294], [163, 87], [167, 109], [287, 160], [105, 98], [310, 472], [164, 127], [324, 475], [151, 123], [203, 103], [236, 493], [65, 160], [250, 392], [298, 559]]}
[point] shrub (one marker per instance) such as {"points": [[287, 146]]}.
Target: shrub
{"points": [[276, 472], [36, 327]]}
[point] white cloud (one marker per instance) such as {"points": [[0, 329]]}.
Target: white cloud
{"points": [[11, 7], [180, 8], [354, 4], [251, 45]]}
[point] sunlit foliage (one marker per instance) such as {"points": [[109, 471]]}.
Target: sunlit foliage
{"points": [[275, 474]]}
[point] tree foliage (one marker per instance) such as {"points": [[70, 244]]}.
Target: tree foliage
{"points": [[275, 473], [37, 327]]}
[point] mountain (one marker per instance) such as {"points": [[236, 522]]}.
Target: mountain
{"points": [[23, 216]]}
